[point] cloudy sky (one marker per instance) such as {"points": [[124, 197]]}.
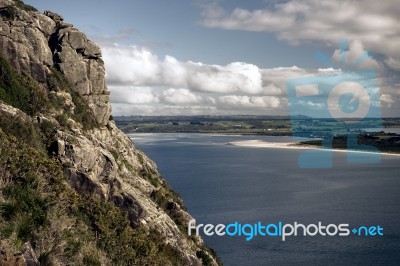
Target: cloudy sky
{"points": [[184, 57]]}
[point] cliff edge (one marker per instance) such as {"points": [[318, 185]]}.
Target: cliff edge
{"points": [[101, 200]]}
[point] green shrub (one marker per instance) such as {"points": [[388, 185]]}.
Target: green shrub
{"points": [[115, 236], [204, 257], [56, 102], [25, 207], [115, 154], [37, 196], [62, 119], [20, 4], [153, 179], [21, 91], [8, 12], [91, 259], [25, 202], [47, 129], [23, 129], [128, 165], [6, 231]]}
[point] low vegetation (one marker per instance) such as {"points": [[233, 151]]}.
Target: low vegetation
{"points": [[262, 125], [38, 206], [378, 141], [24, 93], [21, 91], [10, 12], [21, 5]]}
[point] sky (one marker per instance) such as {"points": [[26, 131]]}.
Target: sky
{"points": [[219, 57]]}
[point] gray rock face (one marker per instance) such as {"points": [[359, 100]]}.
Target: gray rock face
{"points": [[79, 59], [102, 161], [105, 163], [29, 256], [54, 16], [34, 42], [26, 256]]}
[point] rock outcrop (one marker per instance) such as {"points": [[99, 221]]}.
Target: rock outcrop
{"points": [[34, 43], [101, 160]]}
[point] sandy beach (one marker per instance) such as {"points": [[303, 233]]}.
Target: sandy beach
{"points": [[294, 145], [263, 144]]}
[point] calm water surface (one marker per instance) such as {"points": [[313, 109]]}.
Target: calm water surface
{"points": [[222, 184]]}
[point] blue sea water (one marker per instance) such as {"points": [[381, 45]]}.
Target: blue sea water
{"points": [[223, 184]]}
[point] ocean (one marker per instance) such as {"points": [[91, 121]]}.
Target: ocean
{"points": [[225, 184]]}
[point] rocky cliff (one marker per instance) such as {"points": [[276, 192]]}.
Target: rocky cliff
{"points": [[54, 104]]}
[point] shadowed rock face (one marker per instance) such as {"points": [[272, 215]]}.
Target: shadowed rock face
{"points": [[101, 161]]}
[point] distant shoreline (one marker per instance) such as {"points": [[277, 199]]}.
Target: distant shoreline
{"points": [[296, 146]]}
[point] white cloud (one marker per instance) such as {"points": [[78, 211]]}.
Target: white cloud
{"points": [[236, 76], [172, 72], [252, 101], [257, 20], [211, 100], [180, 96], [314, 105], [131, 65], [386, 99], [374, 23], [133, 72], [357, 56], [141, 83], [274, 79], [307, 90], [328, 70], [272, 90], [368, 26], [393, 63], [132, 95], [160, 109], [132, 109]]}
